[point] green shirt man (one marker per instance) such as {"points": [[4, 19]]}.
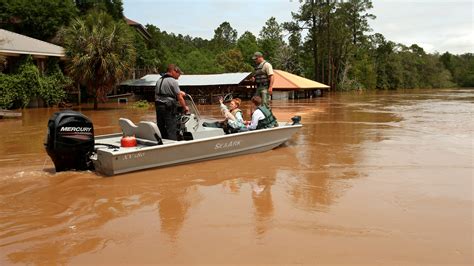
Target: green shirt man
{"points": [[263, 77]]}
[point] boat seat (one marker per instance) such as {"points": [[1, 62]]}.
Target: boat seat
{"points": [[147, 133]]}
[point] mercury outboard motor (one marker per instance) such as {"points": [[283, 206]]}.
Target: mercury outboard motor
{"points": [[70, 141]]}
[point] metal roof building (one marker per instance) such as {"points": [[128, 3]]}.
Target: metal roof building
{"points": [[194, 80], [14, 44], [202, 87], [286, 85]]}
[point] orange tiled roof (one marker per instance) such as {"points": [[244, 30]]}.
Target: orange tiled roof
{"points": [[287, 81]]}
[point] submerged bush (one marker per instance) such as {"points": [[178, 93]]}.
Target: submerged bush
{"points": [[143, 104], [17, 89]]}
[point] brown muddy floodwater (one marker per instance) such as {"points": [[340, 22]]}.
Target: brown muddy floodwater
{"points": [[372, 178]]}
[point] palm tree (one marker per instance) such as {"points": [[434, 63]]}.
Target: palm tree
{"points": [[100, 52]]}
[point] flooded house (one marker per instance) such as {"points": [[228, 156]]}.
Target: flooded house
{"points": [[206, 88], [13, 46]]}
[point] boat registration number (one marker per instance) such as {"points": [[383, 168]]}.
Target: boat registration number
{"points": [[133, 156]]}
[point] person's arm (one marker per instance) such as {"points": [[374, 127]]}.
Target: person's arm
{"points": [[228, 115], [223, 107], [256, 116], [224, 110], [270, 86], [269, 71], [179, 95], [182, 102], [252, 76]]}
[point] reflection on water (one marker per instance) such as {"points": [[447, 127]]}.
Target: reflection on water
{"points": [[379, 177]]}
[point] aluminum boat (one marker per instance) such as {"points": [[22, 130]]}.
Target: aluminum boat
{"points": [[67, 131]]}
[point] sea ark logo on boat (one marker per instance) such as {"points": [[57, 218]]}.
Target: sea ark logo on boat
{"points": [[226, 145]]}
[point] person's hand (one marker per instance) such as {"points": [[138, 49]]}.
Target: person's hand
{"points": [[270, 90], [186, 110], [221, 100], [246, 123]]}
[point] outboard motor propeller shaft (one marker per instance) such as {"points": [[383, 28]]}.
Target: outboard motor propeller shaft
{"points": [[70, 141]]}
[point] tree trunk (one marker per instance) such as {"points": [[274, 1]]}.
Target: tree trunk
{"points": [[334, 77], [315, 45], [322, 72], [328, 21], [96, 100]]}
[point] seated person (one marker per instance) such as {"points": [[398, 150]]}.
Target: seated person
{"points": [[233, 117], [262, 117]]}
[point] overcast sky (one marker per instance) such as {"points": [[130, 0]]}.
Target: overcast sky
{"points": [[435, 25]]}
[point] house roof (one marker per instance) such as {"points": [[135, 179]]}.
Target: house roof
{"points": [[194, 80], [142, 30], [286, 81], [12, 43], [283, 80], [213, 79]]}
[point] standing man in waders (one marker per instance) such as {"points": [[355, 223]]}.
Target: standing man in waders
{"points": [[167, 96], [263, 77]]}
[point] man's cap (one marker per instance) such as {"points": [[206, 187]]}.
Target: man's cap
{"points": [[173, 67], [178, 70], [257, 55]]}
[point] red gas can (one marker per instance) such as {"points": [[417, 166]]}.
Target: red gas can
{"points": [[128, 141]]}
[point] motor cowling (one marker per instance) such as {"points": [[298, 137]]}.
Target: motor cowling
{"points": [[70, 141]]}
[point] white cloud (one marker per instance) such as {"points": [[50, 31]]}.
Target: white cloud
{"points": [[434, 25]]}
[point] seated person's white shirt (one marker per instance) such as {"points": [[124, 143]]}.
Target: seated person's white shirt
{"points": [[256, 116]]}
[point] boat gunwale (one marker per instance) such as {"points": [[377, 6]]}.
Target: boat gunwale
{"points": [[187, 142]]}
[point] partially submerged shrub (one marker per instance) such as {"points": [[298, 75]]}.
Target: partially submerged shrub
{"points": [[142, 104], [16, 90]]}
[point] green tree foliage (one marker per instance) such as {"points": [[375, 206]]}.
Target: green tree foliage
{"points": [[193, 55], [296, 51], [36, 18], [17, 89], [101, 53], [157, 43], [198, 62], [287, 59], [361, 74], [327, 40], [247, 44], [112, 7], [357, 18], [461, 67], [271, 39], [225, 36], [232, 61], [147, 58], [338, 51], [53, 83]]}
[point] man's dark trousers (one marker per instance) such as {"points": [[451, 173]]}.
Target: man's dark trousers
{"points": [[166, 120]]}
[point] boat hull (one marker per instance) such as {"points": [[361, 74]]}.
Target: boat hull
{"points": [[110, 161]]}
